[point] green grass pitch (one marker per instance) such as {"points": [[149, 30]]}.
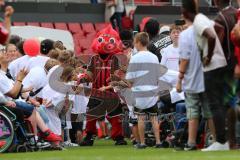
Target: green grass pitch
{"points": [[105, 150]]}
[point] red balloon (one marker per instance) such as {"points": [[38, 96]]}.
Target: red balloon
{"points": [[31, 47]]}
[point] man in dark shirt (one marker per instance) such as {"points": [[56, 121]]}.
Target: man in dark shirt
{"points": [[227, 17], [157, 41]]}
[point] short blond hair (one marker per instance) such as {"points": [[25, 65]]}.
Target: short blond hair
{"points": [[54, 53], [175, 27], [143, 38], [67, 73], [59, 45], [64, 57], [50, 63]]}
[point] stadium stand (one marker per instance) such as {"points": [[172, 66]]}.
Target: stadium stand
{"points": [[83, 34], [83, 31]]}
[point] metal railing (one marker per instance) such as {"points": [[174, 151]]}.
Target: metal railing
{"points": [[161, 2], [130, 2]]}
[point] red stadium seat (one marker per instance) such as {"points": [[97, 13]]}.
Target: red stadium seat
{"points": [[85, 58], [62, 26], [74, 27], [100, 26], [19, 23], [33, 24], [87, 52], [88, 28], [76, 41], [47, 25], [77, 37], [91, 36], [78, 50], [85, 43]]}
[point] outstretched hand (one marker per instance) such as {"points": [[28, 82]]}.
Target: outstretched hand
{"points": [[22, 74], [8, 11]]}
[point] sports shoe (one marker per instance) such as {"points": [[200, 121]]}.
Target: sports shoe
{"points": [[159, 146], [134, 142], [38, 143], [120, 142], [216, 146], [69, 144], [140, 146], [107, 138], [50, 136], [190, 148], [43, 144], [87, 141]]}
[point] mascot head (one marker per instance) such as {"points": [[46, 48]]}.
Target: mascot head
{"points": [[107, 42]]}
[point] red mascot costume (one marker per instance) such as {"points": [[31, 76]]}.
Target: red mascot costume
{"points": [[102, 65]]}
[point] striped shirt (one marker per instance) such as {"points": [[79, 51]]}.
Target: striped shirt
{"points": [[102, 69]]}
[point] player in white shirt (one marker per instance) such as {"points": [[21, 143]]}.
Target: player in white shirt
{"points": [[170, 54], [214, 61], [170, 59], [144, 105]]}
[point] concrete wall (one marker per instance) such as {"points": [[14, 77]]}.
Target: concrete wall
{"points": [[74, 12], [166, 14], [58, 12]]}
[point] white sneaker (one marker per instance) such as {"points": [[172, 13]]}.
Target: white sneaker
{"points": [[43, 144], [217, 147], [69, 144]]}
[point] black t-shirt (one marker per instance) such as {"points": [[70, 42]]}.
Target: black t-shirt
{"points": [[158, 43], [230, 15]]}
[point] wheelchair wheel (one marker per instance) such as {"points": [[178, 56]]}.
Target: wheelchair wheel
{"points": [[6, 132]]}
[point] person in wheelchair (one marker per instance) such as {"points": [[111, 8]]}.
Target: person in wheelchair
{"points": [[13, 90]]}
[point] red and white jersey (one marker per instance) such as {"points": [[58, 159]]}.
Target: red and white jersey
{"points": [[102, 69]]}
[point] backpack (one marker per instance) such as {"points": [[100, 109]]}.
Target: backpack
{"points": [[235, 34], [230, 57]]}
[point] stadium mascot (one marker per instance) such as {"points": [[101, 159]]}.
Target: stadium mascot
{"points": [[104, 102]]}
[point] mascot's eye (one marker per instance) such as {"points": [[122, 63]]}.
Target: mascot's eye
{"points": [[112, 40], [100, 39]]}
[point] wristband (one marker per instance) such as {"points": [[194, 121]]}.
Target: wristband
{"points": [[19, 81], [181, 72]]}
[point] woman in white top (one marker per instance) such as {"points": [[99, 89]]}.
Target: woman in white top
{"points": [[11, 90]]}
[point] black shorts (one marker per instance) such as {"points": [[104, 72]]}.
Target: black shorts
{"points": [[152, 111], [77, 125], [97, 109]]}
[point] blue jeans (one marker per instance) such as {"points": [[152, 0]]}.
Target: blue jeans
{"points": [[42, 111], [25, 107]]}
